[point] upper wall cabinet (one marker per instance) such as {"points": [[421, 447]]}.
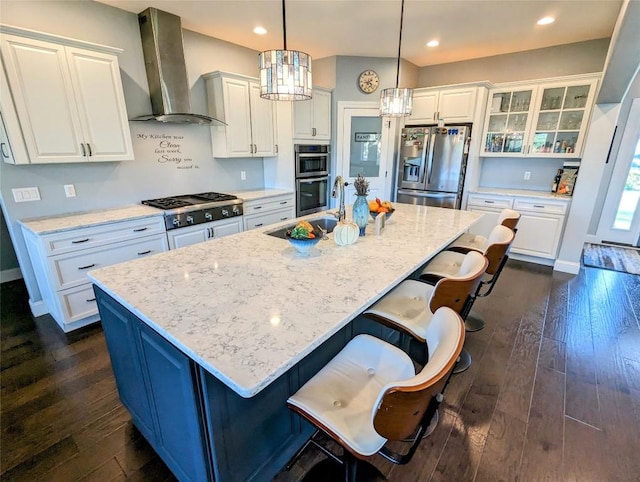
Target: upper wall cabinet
{"points": [[68, 98], [250, 130], [312, 118], [450, 105], [539, 120]]}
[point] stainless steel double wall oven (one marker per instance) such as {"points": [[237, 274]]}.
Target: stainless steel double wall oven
{"points": [[312, 163]]}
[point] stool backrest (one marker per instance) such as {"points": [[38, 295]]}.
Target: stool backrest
{"points": [[498, 244], [453, 292], [509, 218], [402, 404]]}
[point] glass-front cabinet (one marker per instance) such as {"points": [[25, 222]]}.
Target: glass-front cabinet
{"points": [[545, 120]]}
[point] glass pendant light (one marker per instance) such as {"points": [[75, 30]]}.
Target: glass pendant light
{"points": [[285, 74], [397, 102]]}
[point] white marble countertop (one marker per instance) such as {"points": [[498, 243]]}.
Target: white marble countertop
{"points": [[248, 307], [66, 222], [520, 192], [255, 194]]}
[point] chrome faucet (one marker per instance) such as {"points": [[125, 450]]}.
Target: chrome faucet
{"points": [[340, 182]]}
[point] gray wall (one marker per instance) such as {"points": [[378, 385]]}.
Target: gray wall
{"points": [[569, 59]]}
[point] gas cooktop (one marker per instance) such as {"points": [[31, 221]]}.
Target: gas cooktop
{"points": [[190, 209]]}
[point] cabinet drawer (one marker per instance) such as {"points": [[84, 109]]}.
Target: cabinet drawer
{"points": [[494, 202], [78, 303], [83, 238], [540, 206], [71, 269], [269, 204], [261, 220]]}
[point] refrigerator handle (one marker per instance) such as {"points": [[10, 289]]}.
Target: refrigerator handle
{"points": [[432, 145]]}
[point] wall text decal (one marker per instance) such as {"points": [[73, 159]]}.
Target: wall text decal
{"points": [[167, 149]]}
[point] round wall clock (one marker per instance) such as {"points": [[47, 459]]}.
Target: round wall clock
{"points": [[368, 81]]}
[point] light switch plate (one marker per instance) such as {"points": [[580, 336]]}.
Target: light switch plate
{"points": [[70, 190], [25, 194]]}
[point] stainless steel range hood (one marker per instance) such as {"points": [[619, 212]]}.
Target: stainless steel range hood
{"points": [[163, 52]]}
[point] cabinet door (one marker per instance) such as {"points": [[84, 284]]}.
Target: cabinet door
{"points": [[179, 238], [96, 81], [425, 105], [122, 342], [42, 90], [180, 442], [508, 122], [262, 123], [237, 108], [303, 119], [538, 235], [561, 118], [457, 105], [232, 226], [322, 115]]}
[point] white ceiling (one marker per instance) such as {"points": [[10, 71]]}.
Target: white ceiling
{"points": [[466, 29]]}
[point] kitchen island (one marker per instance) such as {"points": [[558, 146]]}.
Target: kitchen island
{"points": [[208, 342]]}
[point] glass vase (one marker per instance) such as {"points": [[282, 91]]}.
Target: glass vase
{"points": [[361, 213]]}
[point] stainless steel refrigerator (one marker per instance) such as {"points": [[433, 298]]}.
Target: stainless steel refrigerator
{"points": [[431, 165]]}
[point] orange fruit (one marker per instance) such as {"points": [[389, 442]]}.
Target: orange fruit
{"points": [[373, 206]]}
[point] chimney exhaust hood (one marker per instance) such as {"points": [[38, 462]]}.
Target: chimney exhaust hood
{"points": [[166, 68]]}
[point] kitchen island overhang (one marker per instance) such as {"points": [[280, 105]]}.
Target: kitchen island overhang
{"points": [[254, 319]]}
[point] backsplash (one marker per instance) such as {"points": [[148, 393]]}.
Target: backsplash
{"points": [[509, 172]]}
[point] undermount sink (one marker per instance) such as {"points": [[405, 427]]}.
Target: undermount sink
{"points": [[325, 222]]}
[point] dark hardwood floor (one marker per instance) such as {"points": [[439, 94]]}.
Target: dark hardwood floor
{"points": [[553, 392]]}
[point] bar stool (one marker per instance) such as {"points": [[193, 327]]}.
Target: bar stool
{"points": [[369, 394], [508, 218], [447, 263], [410, 306]]}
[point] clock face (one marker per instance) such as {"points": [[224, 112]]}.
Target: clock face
{"points": [[368, 81]]}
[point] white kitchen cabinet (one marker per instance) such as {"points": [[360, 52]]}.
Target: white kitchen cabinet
{"points": [[250, 130], [312, 118], [547, 119], [5, 146], [450, 105], [68, 97], [266, 211], [61, 261], [179, 238], [539, 230]]}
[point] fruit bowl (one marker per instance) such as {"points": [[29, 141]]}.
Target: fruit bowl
{"points": [[303, 245], [387, 214]]}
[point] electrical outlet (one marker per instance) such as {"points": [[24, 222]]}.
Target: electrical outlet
{"points": [[243, 175], [527, 175], [70, 190]]}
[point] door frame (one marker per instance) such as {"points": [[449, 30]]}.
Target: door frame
{"points": [[389, 150], [605, 231]]}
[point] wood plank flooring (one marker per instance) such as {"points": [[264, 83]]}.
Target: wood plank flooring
{"points": [[553, 392]]}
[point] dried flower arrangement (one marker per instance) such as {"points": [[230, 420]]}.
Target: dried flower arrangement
{"points": [[361, 185]]}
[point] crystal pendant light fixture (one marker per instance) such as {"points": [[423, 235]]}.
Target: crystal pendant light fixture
{"points": [[397, 102], [285, 74]]}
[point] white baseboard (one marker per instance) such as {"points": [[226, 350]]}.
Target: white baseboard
{"points": [[566, 266], [7, 275], [38, 308]]}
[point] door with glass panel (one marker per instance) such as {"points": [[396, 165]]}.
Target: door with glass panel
{"points": [[620, 220], [366, 149]]}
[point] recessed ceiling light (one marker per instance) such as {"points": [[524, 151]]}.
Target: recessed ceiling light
{"points": [[546, 20], [260, 30], [433, 43]]}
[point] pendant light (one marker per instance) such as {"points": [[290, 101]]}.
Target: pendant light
{"points": [[396, 102], [285, 74]]}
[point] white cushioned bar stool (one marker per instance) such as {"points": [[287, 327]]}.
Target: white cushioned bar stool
{"points": [[410, 306], [369, 394], [508, 218], [448, 263]]}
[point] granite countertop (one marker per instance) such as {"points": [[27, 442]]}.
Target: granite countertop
{"points": [[252, 195], [66, 222], [520, 192], [248, 307]]}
